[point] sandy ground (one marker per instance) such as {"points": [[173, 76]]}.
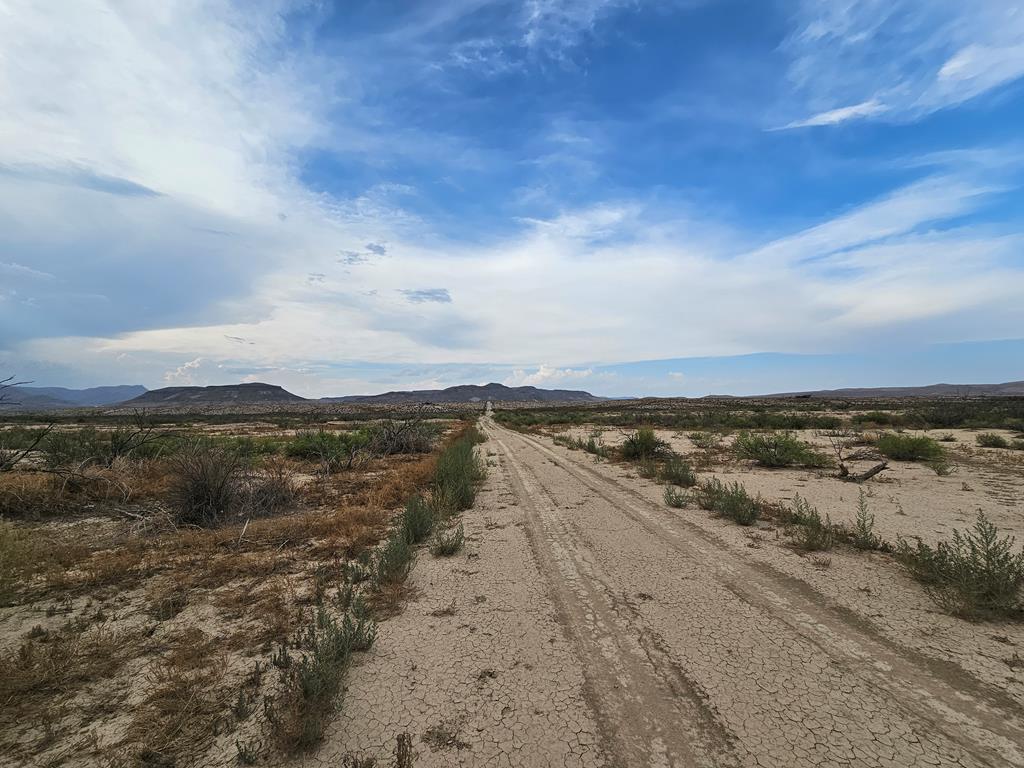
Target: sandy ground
{"points": [[588, 624]]}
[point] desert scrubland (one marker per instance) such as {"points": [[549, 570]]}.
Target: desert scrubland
{"points": [[665, 583]]}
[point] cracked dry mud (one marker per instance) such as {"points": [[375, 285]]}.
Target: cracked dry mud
{"points": [[589, 625]]}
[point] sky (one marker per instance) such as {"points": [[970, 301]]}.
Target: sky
{"points": [[635, 198]]}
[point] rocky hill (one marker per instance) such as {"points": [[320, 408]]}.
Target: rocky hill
{"points": [[472, 393]]}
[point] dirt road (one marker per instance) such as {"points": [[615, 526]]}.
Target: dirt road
{"points": [[594, 626]]}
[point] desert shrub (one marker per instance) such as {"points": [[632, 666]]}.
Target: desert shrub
{"points": [[862, 535], [705, 440], [778, 449], [393, 561], [590, 445], [908, 447], [878, 419], [976, 575], [448, 542], [65, 447], [730, 501], [333, 450], [676, 498], [417, 520], [644, 445], [677, 471], [811, 533], [312, 686], [992, 440], [457, 474], [270, 489], [947, 438], [647, 468], [206, 485], [410, 436]]}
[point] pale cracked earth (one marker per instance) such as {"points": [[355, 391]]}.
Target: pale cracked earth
{"points": [[586, 624]]}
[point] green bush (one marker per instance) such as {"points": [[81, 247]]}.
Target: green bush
{"points": [[393, 561], [811, 533], [644, 445], [333, 450], [976, 575], [676, 498], [731, 501], [457, 474], [908, 447], [863, 535], [992, 440], [417, 520], [677, 472], [778, 449]]}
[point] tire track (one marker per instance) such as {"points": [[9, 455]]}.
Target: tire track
{"points": [[649, 713]]}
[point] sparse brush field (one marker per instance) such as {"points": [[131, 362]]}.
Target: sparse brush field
{"points": [[192, 591]]}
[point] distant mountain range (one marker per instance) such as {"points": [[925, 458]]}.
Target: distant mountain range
{"points": [[51, 398], [136, 396], [472, 393], [1007, 389]]}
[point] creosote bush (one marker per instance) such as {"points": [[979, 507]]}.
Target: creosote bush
{"points": [[731, 501], [778, 449], [908, 447], [644, 445], [977, 575]]}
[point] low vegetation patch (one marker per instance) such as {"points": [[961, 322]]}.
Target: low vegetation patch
{"points": [[676, 498], [778, 449], [810, 531], [976, 575], [644, 445], [448, 542], [903, 447], [676, 471], [992, 440], [730, 501]]}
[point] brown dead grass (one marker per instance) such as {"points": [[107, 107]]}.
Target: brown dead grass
{"points": [[257, 576]]}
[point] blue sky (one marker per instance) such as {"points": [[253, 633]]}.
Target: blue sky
{"points": [[346, 197]]}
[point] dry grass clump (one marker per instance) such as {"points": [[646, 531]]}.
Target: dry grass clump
{"points": [[19, 551], [184, 709], [51, 665]]}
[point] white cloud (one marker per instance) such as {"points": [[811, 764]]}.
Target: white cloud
{"points": [[548, 376], [186, 374], [900, 59], [842, 114]]}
